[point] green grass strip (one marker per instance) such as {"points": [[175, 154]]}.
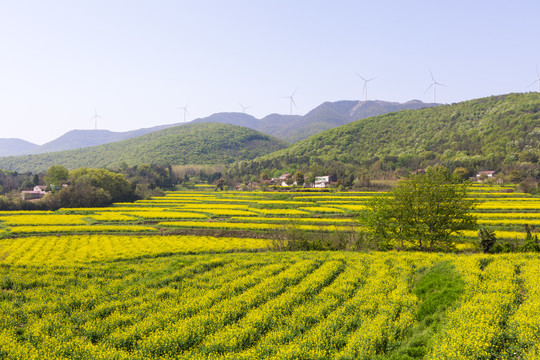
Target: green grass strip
{"points": [[437, 289]]}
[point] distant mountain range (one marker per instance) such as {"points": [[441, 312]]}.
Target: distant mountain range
{"points": [[485, 133], [14, 147], [286, 127], [202, 143], [293, 128], [75, 139]]}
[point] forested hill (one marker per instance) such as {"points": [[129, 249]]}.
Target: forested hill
{"points": [[485, 133], [204, 143]]}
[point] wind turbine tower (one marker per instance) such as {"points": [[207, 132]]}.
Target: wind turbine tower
{"points": [[433, 85], [244, 107], [185, 111], [291, 98], [95, 118], [537, 79], [364, 90]]}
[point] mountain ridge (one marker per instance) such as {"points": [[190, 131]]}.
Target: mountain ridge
{"points": [[294, 128], [203, 143], [14, 147], [291, 128]]}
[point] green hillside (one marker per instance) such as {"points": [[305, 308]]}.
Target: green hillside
{"points": [[203, 143], [486, 133]]}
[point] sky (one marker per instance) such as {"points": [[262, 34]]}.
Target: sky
{"points": [[137, 63]]}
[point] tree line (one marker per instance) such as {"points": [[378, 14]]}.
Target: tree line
{"points": [[86, 187]]}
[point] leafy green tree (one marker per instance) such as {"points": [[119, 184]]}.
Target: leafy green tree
{"points": [[220, 183], [115, 185], [311, 178], [56, 175], [299, 177], [289, 180], [460, 174], [80, 194], [27, 184], [487, 239], [531, 242], [423, 211]]}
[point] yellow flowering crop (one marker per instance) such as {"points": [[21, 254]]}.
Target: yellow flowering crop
{"points": [[48, 219], [322, 209], [80, 229]]}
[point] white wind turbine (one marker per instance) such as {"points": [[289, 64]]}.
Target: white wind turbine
{"points": [[537, 79], [364, 90], [95, 118], [433, 85], [244, 108], [291, 98], [185, 111]]}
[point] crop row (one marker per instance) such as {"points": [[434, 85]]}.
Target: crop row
{"points": [[256, 306], [55, 250]]}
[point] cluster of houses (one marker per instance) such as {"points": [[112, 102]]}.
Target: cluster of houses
{"points": [[326, 181], [481, 175], [320, 181], [287, 179], [284, 180]]}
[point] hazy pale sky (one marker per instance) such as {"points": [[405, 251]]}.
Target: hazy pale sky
{"points": [[137, 62]]}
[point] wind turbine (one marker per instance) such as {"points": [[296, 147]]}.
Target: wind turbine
{"points": [[433, 85], [244, 107], [185, 111], [291, 98], [537, 80], [364, 91], [95, 117]]}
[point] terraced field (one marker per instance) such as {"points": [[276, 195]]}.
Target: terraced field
{"points": [[258, 212], [127, 282]]}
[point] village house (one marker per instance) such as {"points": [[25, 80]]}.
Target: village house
{"points": [[37, 193], [323, 181], [282, 180], [484, 174]]}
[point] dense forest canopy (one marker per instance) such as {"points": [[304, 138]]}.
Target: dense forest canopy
{"points": [[493, 133]]}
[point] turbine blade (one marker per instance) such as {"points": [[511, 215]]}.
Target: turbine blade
{"points": [[360, 76], [294, 92], [432, 77], [292, 100], [429, 87], [372, 79], [436, 83], [534, 82]]}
